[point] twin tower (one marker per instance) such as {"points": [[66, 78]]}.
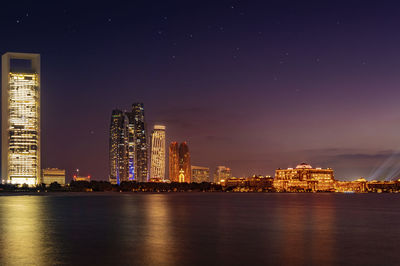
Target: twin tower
{"points": [[129, 147]]}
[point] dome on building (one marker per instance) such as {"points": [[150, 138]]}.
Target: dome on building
{"points": [[303, 166]]}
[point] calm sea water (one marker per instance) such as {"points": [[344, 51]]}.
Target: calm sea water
{"points": [[200, 229]]}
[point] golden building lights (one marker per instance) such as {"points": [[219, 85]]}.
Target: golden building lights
{"points": [[21, 120], [305, 177], [51, 175], [184, 161], [179, 160], [200, 174], [157, 161], [222, 173], [174, 162], [181, 176]]}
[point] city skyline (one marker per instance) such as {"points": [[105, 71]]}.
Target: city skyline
{"points": [[314, 82], [225, 132]]}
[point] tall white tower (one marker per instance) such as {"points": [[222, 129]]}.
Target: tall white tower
{"points": [[20, 162], [157, 167]]}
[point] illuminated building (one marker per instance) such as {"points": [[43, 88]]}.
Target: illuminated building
{"points": [[20, 119], [181, 178], [233, 182], [51, 175], [81, 178], [140, 146], [184, 161], [157, 160], [118, 148], [304, 177], [222, 173], [380, 186], [174, 162], [263, 182], [200, 174], [359, 185], [131, 146], [179, 162]]}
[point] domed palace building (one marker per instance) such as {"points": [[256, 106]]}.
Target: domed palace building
{"points": [[304, 178]]}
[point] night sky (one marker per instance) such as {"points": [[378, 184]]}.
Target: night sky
{"points": [[253, 85]]}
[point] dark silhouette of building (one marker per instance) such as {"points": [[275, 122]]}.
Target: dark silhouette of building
{"points": [[118, 147]]}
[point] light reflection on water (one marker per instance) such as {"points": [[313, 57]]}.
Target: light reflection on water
{"points": [[23, 231], [199, 229], [159, 237]]}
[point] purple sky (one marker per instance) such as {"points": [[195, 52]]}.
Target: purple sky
{"points": [[253, 85]]}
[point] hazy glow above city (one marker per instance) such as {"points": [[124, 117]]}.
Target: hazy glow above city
{"points": [[254, 86]]}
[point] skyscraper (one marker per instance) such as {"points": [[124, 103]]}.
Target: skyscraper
{"points": [[131, 146], [174, 162], [20, 162], [184, 161], [118, 147], [140, 143], [157, 160], [179, 163]]}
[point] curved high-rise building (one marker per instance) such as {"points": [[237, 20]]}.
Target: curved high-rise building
{"points": [[131, 146], [157, 160], [140, 146], [184, 161], [174, 162], [20, 162], [179, 163], [118, 148]]}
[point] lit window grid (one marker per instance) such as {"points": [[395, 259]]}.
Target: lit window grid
{"points": [[157, 169], [23, 116]]}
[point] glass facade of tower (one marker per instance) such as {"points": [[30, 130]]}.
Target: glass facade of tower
{"points": [[157, 160], [179, 163], [21, 121], [174, 162], [118, 148], [131, 146], [140, 143], [184, 161]]}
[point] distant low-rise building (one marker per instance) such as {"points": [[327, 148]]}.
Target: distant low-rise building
{"points": [[359, 185], [254, 183], [51, 175], [260, 182], [200, 174], [304, 177], [234, 182], [81, 178], [383, 186], [222, 173]]}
